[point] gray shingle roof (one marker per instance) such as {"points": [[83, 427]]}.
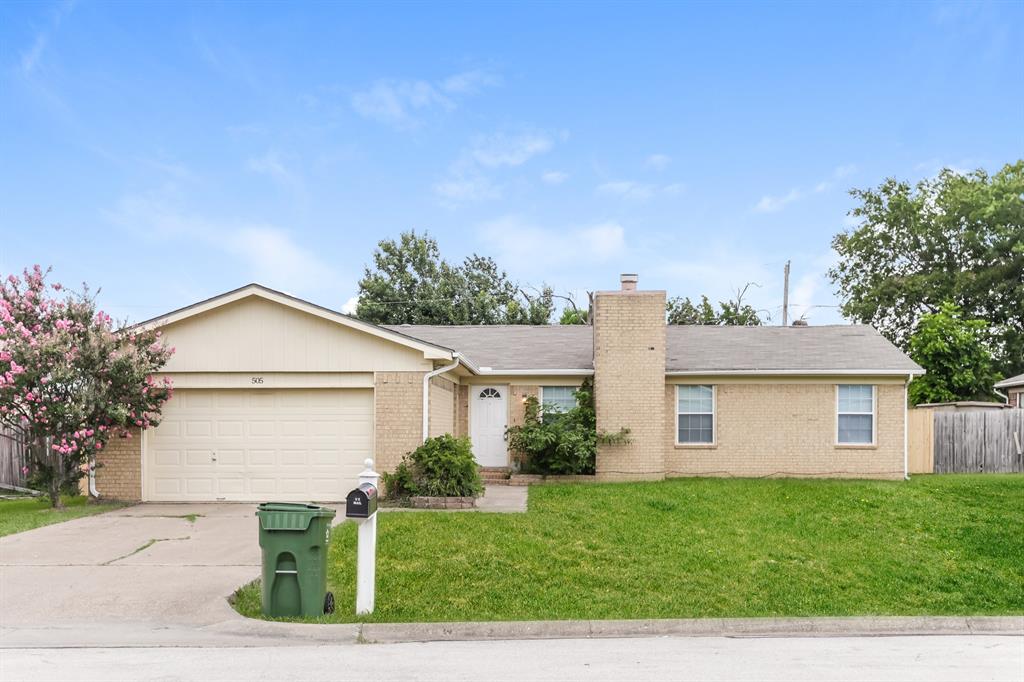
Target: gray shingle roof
{"points": [[789, 349], [1012, 381], [690, 348], [512, 346]]}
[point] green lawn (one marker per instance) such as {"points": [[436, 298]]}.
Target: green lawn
{"points": [[31, 512], [701, 548]]}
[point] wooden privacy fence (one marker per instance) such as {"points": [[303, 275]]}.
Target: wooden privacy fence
{"points": [[13, 456], [979, 442]]}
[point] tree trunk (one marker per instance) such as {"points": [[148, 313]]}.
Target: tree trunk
{"points": [[56, 474]]}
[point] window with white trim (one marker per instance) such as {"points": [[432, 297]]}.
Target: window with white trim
{"points": [[855, 421], [695, 414], [557, 399]]}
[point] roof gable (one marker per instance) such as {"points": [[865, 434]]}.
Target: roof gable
{"points": [[257, 292]]}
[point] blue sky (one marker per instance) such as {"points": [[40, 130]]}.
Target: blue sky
{"points": [[170, 152]]}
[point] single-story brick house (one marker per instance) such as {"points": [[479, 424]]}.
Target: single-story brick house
{"points": [[1014, 387], [277, 398]]}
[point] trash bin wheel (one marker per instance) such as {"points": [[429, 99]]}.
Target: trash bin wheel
{"points": [[329, 603]]}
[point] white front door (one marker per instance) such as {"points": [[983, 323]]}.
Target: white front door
{"points": [[489, 416]]}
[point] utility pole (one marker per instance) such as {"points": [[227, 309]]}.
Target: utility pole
{"points": [[785, 297]]}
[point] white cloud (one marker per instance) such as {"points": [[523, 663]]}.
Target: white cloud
{"points": [[30, 57], [658, 161], [524, 247], [844, 171], [470, 82], [397, 102], [350, 306], [554, 177], [508, 150], [770, 204], [467, 179], [639, 191], [271, 166], [604, 240], [627, 189], [268, 253], [458, 189]]}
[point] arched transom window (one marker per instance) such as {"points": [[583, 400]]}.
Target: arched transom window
{"points": [[490, 393]]}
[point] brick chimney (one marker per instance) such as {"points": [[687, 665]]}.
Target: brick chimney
{"points": [[629, 379]]}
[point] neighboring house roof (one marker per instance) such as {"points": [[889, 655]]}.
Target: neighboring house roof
{"points": [[513, 347], [691, 349], [1012, 382], [843, 349]]}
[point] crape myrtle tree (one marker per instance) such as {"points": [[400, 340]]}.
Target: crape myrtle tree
{"points": [[69, 382]]}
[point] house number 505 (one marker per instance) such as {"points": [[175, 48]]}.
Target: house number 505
{"points": [[257, 380]]}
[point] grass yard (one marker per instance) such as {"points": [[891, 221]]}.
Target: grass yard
{"points": [[948, 544], [26, 513]]}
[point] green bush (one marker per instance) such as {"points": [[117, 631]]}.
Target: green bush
{"points": [[442, 467], [561, 443]]}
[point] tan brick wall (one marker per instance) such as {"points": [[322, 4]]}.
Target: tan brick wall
{"points": [[786, 429], [119, 476], [517, 402], [1015, 396], [462, 411], [629, 380], [398, 416], [442, 406], [517, 395]]}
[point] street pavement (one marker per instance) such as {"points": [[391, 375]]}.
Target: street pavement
{"points": [[970, 658]]}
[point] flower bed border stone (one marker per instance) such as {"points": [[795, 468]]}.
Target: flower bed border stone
{"points": [[538, 479], [422, 502]]}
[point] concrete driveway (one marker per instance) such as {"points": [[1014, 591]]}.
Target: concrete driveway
{"points": [[144, 568]]}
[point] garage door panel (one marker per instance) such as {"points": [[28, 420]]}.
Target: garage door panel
{"points": [[262, 458], [199, 458], [230, 429], [294, 444]]}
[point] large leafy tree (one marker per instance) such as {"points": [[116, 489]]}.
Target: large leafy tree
{"points": [[957, 237], [68, 381], [732, 312], [410, 283], [953, 352]]}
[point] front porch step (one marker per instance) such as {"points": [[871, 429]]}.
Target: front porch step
{"points": [[495, 475]]}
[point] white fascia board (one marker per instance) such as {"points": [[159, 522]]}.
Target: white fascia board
{"points": [[485, 371], [796, 372]]}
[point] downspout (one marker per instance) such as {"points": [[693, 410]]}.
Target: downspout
{"points": [[1006, 398], [906, 416], [426, 392]]}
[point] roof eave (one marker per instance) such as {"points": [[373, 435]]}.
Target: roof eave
{"points": [[796, 372]]}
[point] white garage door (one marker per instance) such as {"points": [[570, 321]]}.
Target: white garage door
{"points": [[259, 445]]}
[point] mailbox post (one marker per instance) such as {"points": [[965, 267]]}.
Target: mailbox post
{"points": [[361, 505]]}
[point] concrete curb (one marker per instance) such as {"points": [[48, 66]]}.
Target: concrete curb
{"points": [[695, 627]]}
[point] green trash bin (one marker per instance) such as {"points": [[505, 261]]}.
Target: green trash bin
{"points": [[294, 539]]}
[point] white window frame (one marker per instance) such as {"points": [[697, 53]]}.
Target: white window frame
{"points": [[714, 418], [570, 387], [874, 419]]}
